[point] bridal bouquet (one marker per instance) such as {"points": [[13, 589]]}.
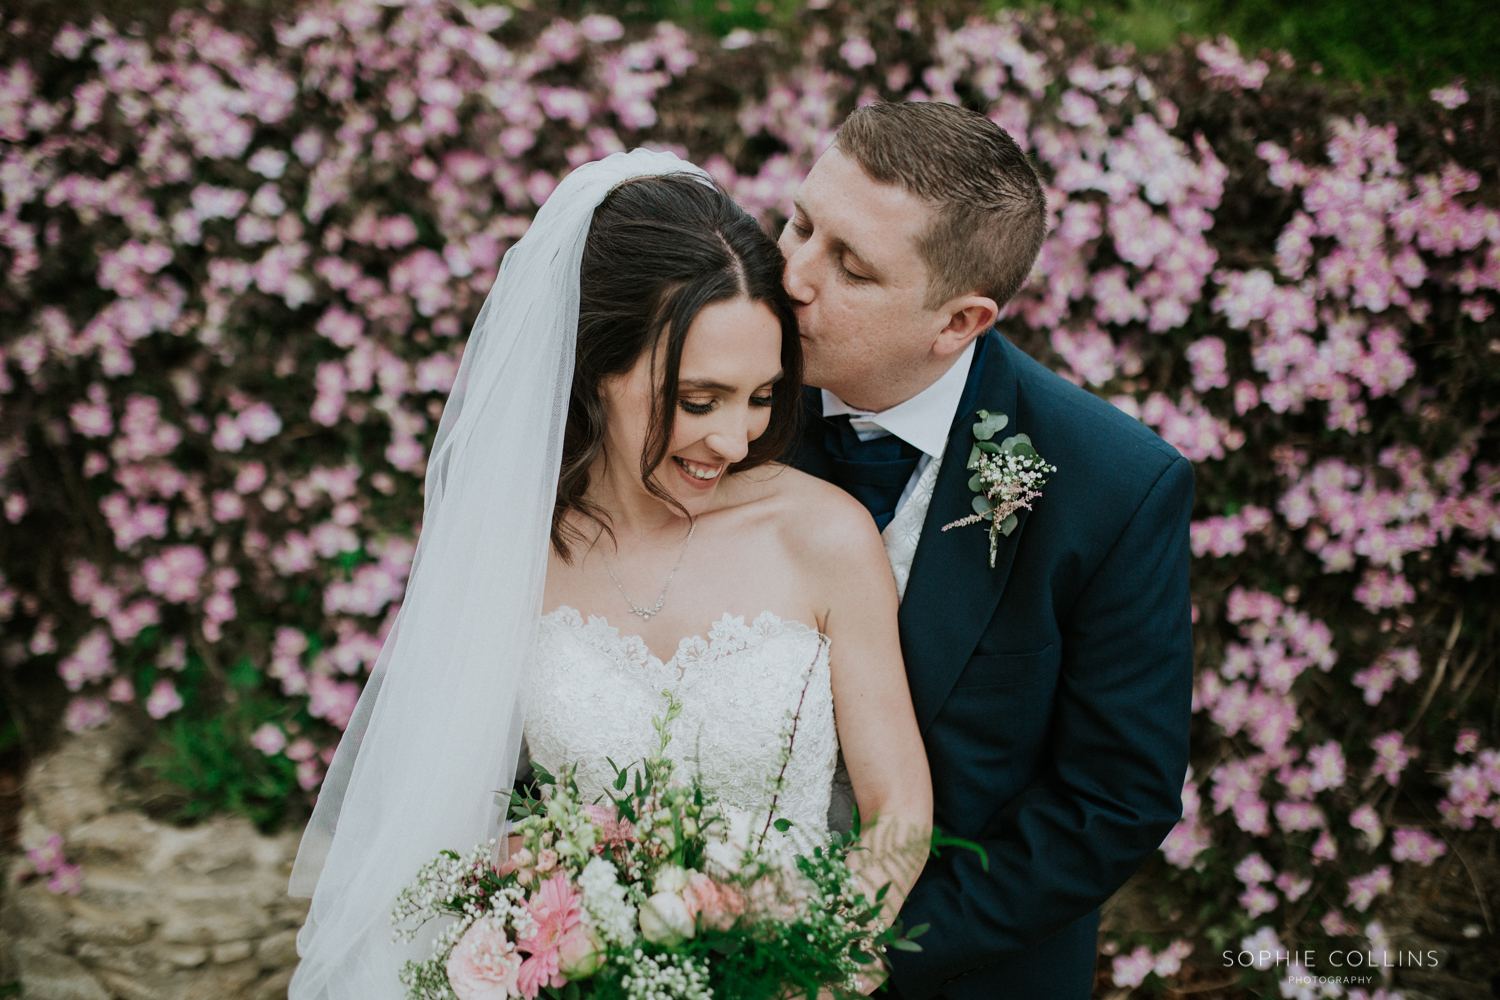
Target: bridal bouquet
{"points": [[659, 893]]}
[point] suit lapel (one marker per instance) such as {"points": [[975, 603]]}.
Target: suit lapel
{"points": [[952, 593]]}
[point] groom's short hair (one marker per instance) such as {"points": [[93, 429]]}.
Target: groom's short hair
{"points": [[991, 213]]}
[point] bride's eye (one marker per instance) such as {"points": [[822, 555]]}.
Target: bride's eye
{"points": [[766, 400], [696, 409]]}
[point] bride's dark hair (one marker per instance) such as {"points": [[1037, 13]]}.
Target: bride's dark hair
{"points": [[659, 250]]}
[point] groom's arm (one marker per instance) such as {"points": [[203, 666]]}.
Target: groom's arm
{"points": [[1118, 757]]}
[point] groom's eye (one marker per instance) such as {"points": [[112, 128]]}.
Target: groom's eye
{"points": [[802, 232]]}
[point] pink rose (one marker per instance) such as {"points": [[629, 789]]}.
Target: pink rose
{"points": [[484, 963], [546, 859], [716, 906]]}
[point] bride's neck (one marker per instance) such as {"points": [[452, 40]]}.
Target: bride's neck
{"points": [[632, 511]]}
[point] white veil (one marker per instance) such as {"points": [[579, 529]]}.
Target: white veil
{"points": [[438, 727]]}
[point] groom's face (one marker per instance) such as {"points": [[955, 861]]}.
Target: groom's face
{"points": [[859, 285]]}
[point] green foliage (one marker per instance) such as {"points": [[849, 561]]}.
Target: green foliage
{"points": [[1428, 44], [208, 756]]}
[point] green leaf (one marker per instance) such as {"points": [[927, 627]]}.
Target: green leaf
{"points": [[988, 446], [863, 958], [1009, 525], [920, 929], [982, 505], [620, 780], [904, 945], [783, 825], [975, 485], [989, 425], [974, 454]]}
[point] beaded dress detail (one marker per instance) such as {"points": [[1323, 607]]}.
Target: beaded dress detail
{"points": [[593, 693]]}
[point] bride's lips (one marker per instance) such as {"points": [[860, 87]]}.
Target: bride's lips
{"points": [[687, 468]]}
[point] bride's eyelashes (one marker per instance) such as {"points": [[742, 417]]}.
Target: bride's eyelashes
{"points": [[703, 409]]}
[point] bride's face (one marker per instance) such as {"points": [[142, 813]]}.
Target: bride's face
{"points": [[731, 358]]}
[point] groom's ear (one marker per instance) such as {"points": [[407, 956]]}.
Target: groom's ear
{"points": [[968, 317]]}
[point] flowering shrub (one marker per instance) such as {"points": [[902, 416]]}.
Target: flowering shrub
{"points": [[238, 271]]}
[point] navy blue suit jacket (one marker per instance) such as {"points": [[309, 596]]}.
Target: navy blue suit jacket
{"points": [[1053, 692]]}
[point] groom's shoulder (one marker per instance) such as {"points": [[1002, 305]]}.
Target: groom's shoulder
{"points": [[1073, 422]]}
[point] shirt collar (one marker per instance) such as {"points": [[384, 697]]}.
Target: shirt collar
{"points": [[922, 421]]}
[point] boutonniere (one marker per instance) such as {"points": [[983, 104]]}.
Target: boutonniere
{"points": [[1007, 476]]}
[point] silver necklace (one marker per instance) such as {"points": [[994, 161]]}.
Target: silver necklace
{"points": [[646, 614]]}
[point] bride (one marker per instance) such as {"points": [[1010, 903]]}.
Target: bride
{"points": [[606, 522]]}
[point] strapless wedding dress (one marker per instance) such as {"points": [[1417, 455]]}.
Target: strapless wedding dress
{"points": [[593, 693]]}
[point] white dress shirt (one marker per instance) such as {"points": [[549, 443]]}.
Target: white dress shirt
{"points": [[923, 422]]}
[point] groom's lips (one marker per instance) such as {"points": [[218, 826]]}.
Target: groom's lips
{"points": [[693, 480]]}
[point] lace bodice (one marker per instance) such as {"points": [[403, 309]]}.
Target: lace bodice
{"points": [[594, 692]]}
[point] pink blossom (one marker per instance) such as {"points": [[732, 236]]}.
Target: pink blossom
{"points": [[1253, 870], [1294, 886], [1364, 889], [612, 830], [177, 573], [47, 858], [91, 660], [1452, 96], [712, 904], [1417, 846], [259, 422], [1467, 742], [83, 714], [269, 739], [66, 880], [484, 964], [332, 700], [1391, 756], [1131, 970], [1258, 900], [557, 909], [164, 700]]}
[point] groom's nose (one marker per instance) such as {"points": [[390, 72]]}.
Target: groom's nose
{"points": [[796, 275]]}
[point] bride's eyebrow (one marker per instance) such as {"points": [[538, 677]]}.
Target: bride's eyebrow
{"points": [[712, 386]]}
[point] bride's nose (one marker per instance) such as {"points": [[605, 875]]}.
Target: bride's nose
{"points": [[731, 441]]}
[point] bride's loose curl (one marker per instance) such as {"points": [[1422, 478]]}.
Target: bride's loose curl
{"points": [[660, 249]]}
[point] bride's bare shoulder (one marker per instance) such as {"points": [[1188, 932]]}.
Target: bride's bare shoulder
{"points": [[816, 517]]}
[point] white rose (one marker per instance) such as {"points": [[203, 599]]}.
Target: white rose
{"points": [[670, 878], [665, 920]]}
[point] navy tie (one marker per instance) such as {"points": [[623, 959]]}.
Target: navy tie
{"points": [[874, 472]]}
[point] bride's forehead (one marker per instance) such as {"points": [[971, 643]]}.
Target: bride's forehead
{"points": [[732, 336]]}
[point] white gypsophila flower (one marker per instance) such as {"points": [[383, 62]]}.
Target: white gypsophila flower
{"points": [[652, 978], [605, 903]]}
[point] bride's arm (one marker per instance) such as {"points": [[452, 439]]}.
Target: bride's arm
{"points": [[872, 704]]}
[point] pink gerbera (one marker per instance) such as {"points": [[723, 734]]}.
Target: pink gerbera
{"points": [[557, 909]]}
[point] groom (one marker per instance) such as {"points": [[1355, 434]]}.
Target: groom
{"points": [[1052, 690]]}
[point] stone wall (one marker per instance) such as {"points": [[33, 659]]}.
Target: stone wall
{"points": [[164, 913]]}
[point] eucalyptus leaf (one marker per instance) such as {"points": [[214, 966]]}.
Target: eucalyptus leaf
{"points": [[973, 458], [1009, 525], [988, 446], [975, 485], [982, 504], [989, 425], [988, 515]]}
